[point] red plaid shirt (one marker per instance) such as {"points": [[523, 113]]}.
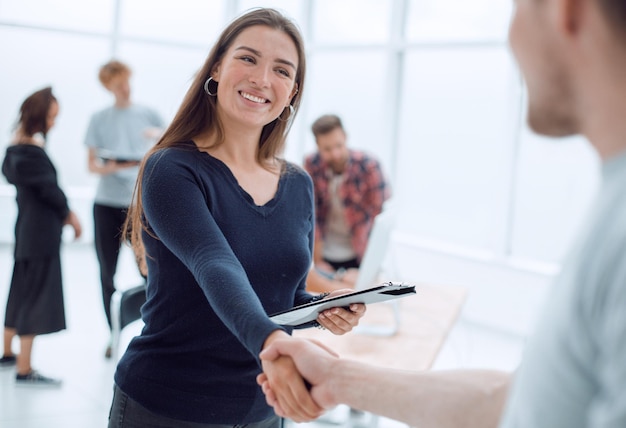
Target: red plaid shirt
{"points": [[362, 191]]}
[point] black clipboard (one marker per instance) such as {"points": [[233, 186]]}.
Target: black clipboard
{"points": [[299, 315]]}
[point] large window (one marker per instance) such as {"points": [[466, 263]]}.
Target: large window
{"points": [[428, 86], [352, 85], [190, 22], [456, 143], [354, 22], [446, 21], [93, 16]]}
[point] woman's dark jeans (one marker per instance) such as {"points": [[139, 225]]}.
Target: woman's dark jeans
{"points": [[127, 413]]}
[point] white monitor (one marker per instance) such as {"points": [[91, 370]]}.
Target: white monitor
{"points": [[372, 266], [376, 250]]}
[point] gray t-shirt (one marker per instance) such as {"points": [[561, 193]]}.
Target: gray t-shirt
{"points": [[120, 133], [574, 368]]}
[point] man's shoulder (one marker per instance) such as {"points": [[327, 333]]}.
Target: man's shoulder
{"points": [[131, 111], [364, 161], [142, 113], [102, 112], [362, 156], [313, 164], [144, 109]]}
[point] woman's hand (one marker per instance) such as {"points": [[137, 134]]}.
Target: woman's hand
{"points": [[289, 394], [72, 220], [339, 320]]}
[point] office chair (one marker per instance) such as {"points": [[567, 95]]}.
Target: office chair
{"points": [[125, 308]]}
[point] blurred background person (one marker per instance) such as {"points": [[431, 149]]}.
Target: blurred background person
{"points": [[35, 303], [321, 282], [350, 189], [118, 137]]}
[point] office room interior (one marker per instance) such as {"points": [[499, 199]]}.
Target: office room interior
{"points": [[429, 87]]}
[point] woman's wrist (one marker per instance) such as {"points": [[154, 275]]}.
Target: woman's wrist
{"points": [[274, 335]]}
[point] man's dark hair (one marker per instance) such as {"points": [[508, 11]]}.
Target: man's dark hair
{"points": [[615, 11], [325, 124]]}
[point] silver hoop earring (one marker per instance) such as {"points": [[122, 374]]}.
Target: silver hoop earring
{"points": [[291, 113], [206, 87]]}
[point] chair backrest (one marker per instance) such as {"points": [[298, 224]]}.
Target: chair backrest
{"points": [[125, 308], [130, 306]]}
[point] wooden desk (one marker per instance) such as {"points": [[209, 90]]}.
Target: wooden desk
{"points": [[426, 319]]}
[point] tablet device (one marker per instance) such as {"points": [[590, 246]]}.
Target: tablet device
{"points": [[110, 155], [308, 312], [122, 160]]}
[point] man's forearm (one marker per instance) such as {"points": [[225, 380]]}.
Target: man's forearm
{"points": [[443, 399]]}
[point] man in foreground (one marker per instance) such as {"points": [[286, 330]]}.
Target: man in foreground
{"points": [[573, 56]]}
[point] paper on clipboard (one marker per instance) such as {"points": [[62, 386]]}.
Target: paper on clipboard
{"points": [[308, 312]]}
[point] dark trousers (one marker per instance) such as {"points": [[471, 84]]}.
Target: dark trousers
{"points": [[108, 223], [346, 264], [127, 413]]}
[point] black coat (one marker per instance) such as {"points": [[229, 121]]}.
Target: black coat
{"points": [[42, 205]]}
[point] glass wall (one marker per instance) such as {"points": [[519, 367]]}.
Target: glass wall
{"points": [[457, 113], [428, 86]]}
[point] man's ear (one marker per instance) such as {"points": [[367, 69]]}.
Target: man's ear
{"points": [[570, 15]]}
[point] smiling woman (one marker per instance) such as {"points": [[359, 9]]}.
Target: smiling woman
{"points": [[211, 196], [256, 82]]}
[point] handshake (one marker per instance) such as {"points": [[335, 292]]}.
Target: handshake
{"points": [[297, 373], [302, 379], [301, 373]]}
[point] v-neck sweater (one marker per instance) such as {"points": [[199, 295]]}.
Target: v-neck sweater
{"points": [[218, 265]]}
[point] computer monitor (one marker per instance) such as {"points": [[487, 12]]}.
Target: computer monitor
{"points": [[376, 250], [371, 267]]}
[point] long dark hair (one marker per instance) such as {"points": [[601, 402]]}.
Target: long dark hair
{"points": [[197, 114], [33, 116]]}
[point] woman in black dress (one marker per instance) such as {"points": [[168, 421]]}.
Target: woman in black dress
{"points": [[35, 303]]}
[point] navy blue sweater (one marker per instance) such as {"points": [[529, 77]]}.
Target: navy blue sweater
{"points": [[218, 265]]}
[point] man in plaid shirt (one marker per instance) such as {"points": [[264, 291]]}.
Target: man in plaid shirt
{"points": [[350, 189]]}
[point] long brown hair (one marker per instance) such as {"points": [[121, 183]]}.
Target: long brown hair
{"points": [[33, 117], [197, 114]]}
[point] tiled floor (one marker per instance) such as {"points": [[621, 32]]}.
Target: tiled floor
{"points": [[76, 355]]}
